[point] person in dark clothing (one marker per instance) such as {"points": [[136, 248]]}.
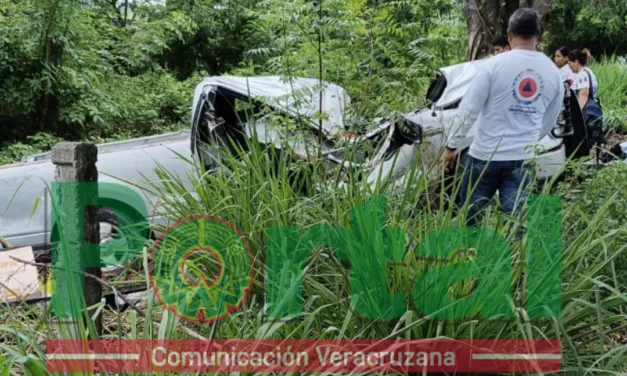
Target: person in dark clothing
{"points": [[500, 44]]}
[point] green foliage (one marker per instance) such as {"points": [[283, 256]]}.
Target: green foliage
{"points": [[69, 71], [612, 76], [134, 46], [597, 25], [145, 105], [253, 195], [75, 68], [35, 144], [383, 54], [222, 32], [588, 191], [104, 72], [59, 58]]}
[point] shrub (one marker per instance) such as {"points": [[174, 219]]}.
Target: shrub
{"points": [[122, 107], [252, 195], [590, 198], [38, 143], [145, 105], [612, 76]]}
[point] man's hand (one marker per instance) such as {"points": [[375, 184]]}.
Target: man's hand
{"points": [[448, 160]]}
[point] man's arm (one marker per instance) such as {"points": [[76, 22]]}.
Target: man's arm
{"points": [[552, 112], [470, 108]]}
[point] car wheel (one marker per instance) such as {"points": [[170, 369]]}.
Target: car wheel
{"points": [[112, 243]]}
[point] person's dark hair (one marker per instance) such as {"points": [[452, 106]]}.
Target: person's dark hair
{"points": [[578, 55], [501, 41], [525, 23], [564, 51]]}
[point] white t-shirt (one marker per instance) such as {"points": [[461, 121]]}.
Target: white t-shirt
{"points": [[583, 81], [514, 101], [567, 75]]}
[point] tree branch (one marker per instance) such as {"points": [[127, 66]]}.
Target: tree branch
{"points": [[143, 314], [97, 279]]}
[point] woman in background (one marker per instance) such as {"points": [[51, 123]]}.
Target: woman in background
{"points": [[561, 60], [586, 84], [587, 88]]}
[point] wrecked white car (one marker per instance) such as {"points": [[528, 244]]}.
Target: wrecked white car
{"points": [[230, 112], [383, 152], [25, 209]]}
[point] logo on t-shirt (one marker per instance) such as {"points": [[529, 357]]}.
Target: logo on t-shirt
{"points": [[527, 89]]}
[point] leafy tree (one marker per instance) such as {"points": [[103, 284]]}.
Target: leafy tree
{"points": [[222, 33], [103, 69], [487, 19], [383, 53], [598, 25], [57, 57]]}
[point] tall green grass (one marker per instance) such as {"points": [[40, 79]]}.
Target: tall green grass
{"points": [[253, 195], [259, 190], [612, 77]]}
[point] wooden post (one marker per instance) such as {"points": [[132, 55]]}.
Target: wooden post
{"points": [[76, 163]]}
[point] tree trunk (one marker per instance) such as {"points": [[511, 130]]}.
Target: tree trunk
{"points": [[487, 19]]}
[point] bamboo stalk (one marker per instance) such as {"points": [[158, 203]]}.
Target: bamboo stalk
{"points": [[5, 243]]}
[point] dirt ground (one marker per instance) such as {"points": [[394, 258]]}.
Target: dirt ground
{"points": [[612, 140], [615, 138]]}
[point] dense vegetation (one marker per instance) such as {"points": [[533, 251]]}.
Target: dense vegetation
{"points": [[252, 195], [598, 25], [111, 69]]}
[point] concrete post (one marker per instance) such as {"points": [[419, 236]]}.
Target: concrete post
{"points": [[76, 163]]}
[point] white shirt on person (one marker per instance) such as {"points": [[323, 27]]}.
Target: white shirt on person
{"points": [[513, 102], [583, 81], [567, 75]]}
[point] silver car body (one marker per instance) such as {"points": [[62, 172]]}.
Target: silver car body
{"points": [[25, 209]]}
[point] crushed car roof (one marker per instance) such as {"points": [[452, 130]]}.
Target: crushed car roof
{"points": [[298, 96], [458, 79]]}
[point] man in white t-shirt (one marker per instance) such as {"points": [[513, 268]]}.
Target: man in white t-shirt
{"points": [[561, 60], [514, 101]]}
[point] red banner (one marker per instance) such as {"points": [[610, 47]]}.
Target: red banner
{"points": [[305, 356]]}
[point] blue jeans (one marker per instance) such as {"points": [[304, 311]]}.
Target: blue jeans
{"points": [[482, 179]]}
